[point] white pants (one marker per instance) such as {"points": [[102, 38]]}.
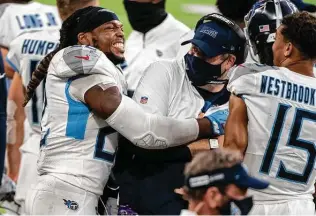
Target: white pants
{"points": [[52, 196], [291, 207], [28, 168]]}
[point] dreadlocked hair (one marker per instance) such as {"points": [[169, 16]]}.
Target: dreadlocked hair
{"points": [[65, 40]]}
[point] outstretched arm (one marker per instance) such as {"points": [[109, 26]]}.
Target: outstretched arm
{"points": [[236, 132], [143, 129]]}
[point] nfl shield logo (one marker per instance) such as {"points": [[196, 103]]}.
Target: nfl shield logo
{"points": [[143, 100]]}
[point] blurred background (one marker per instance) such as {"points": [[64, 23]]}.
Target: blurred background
{"points": [[187, 11]]}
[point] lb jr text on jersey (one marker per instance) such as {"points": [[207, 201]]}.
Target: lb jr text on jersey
{"points": [[33, 21], [287, 90]]}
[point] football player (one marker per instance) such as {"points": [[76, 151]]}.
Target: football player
{"points": [[17, 17], [272, 119], [78, 125], [25, 52], [261, 24]]}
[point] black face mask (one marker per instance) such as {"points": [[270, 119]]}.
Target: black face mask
{"points": [[145, 16], [201, 73], [237, 207]]}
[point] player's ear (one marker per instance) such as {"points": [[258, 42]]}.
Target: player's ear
{"points": [[288, 49], [85, 38]]}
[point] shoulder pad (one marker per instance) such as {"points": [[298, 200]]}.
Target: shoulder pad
{"points": [[81, 59], [248, 68], [3, 7]]}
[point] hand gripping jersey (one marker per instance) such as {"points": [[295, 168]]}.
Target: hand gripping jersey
{"points": [[16, 19], [77, 146], [281, 129], [25, 52]]}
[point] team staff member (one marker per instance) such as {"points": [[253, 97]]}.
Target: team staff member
{"points": [[179, 88], [153, 30], [234, 10], [216, 183]]}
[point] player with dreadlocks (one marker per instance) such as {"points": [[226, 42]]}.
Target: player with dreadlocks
{"points": [[78, 143], [25, 51]]}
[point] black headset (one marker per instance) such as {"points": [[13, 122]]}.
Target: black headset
{"points": [[242, 47]]}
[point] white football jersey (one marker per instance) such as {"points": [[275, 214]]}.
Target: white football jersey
{"points": [[25, 52], [16, 19], [77, 146], [281, 129]]}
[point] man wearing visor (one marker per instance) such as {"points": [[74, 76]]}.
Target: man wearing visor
{"points": [[189, 87], [216, 183]]}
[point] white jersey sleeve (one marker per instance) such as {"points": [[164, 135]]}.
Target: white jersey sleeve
{"points": [[152, 92], [242, 79], [79, 87], [151, 131], [88, 62]]}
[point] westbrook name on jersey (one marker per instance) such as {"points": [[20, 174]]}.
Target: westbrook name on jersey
{"points": [[77, 146], [281, 129]]}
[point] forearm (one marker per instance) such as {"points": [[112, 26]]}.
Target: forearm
{"points": [[15, 141], [237, 141], [236, 133], [151, 131], [236, 129]]}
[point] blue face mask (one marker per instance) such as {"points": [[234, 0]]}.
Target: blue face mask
{"points": [[201, 73]]}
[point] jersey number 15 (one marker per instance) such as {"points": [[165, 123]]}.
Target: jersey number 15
{"points": [[294, 141]]}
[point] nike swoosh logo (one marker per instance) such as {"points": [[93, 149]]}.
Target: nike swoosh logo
{"points": [[83, 57], [2, 76]]}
